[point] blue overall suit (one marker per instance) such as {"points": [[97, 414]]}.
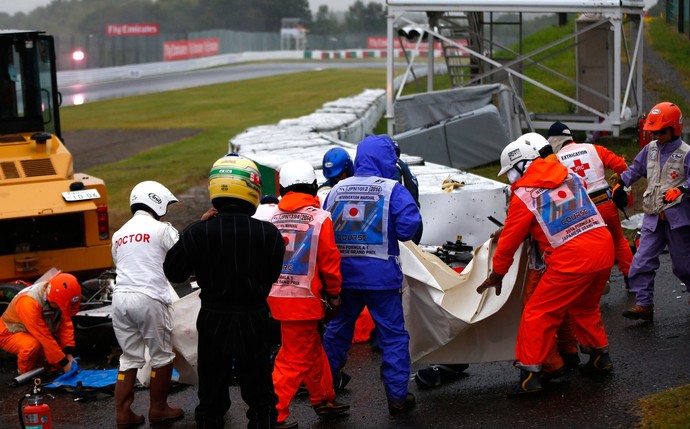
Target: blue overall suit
{"points": [[371, 212]]}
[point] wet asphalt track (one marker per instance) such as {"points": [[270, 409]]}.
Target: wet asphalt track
{"points": [[90, 92], [648, 358]]}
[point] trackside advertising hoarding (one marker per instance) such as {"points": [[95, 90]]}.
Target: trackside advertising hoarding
{"points": [[186, 49], [132, 29]]}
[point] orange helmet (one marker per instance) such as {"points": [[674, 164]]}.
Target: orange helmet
{"points": [[65, 292], [665, 115]]}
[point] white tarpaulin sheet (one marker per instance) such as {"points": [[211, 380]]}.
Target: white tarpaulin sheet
{"points": [[185, 336], [448, 321]]}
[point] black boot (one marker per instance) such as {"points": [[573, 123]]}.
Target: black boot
{"points": [[571, 360], [528, 383], [546, 376], [340, 381], [599, 364], [401, 406]]}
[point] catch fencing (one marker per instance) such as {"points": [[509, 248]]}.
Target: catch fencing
{"points": [[102, 50]]}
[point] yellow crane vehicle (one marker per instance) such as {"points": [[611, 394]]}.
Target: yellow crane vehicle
{"points": [[50, 216]]}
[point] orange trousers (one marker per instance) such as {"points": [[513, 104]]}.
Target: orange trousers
{"points": [[22, 344], [556, 296], [621, 244], [565, 341], [301, 358]]}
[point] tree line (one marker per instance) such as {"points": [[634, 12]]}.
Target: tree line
{"points": [[64, 17]]}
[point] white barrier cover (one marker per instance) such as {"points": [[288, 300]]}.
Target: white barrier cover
{"points": [[323, 121]]}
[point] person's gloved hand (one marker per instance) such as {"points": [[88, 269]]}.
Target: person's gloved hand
{"points": [[496, 235], [619, 196], [332, 307], [72, 365], [672, 194], [494, 280]]}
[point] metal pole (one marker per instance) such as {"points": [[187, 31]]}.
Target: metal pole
{"points": [[389, 75], [615, 116], [640, 68], [22, 378], [433, 23], [633, 70]]}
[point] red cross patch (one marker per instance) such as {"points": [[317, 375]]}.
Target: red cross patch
{"points": [[674, 175], [579, 168]]}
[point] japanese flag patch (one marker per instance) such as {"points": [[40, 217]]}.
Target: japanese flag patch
{"points": [[353, 212]]}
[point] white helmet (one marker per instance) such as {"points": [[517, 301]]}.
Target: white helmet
{"points": [[525, 148], [297, 173], [153, 195]]}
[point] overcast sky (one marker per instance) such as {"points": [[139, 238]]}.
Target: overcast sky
{"points": [[14, 6]]}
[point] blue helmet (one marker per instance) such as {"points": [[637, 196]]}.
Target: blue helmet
{"points": [[335, 161]]}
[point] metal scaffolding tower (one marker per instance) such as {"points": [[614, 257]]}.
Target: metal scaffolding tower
{"points": [[608, 80]]}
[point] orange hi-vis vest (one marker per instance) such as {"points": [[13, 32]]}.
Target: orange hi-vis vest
{"points": [[50, 316], [46, 324]]}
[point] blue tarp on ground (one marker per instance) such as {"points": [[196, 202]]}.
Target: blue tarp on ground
{"points": [[87, 377], [94, 378]]}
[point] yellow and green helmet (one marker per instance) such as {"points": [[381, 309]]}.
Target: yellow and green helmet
{"points": [[234, 176]]}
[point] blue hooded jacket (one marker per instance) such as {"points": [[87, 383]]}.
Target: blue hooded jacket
{"points": [[376, 157]]}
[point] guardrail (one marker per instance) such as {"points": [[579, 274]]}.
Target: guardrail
{"points": [[134, 71]]}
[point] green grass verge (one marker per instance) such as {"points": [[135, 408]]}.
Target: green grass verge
{"points": [[669, 409], [220, 111], [674, 48]]}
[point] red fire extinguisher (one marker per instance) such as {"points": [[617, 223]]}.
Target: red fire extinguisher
{"points": [[36, 415], [643, 136]]}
